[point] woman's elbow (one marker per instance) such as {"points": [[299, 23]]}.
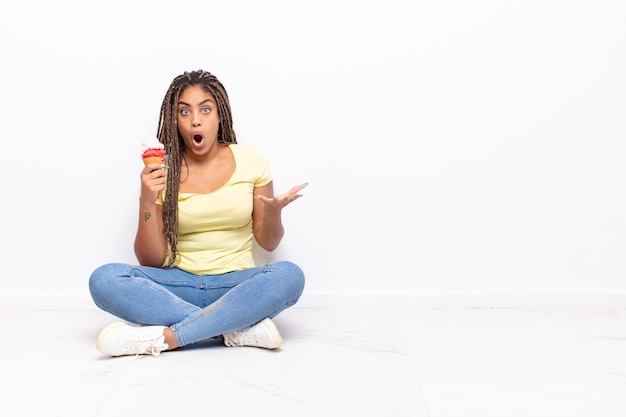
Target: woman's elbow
{"points": [[270, 244]]}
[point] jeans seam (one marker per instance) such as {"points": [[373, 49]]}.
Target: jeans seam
{"points": [[212, 307]]}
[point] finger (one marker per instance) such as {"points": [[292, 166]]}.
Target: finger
{"points": [[295, 190], [300, 187], [292, 197], [154, 167]]}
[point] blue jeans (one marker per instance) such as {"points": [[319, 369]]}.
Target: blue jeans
{"points": [[196, 307]]}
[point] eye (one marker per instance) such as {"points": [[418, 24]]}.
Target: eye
{"points": [[184, 112], [206, 110]]}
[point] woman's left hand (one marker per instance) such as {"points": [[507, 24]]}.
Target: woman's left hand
{"points": [[280, 201]]}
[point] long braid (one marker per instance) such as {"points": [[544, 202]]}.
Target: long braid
{"points": [[174, 146]]}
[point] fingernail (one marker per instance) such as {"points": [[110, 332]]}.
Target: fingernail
{"points": [[305, 184]]}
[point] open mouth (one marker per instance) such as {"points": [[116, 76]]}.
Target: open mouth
{"points": [[197, 139]]}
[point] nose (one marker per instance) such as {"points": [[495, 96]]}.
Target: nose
{"points": [[195, 121]]}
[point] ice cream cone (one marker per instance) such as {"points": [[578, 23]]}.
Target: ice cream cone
{"points": [[153, 160], [152, 151]]}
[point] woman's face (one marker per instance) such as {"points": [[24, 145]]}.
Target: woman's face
{"points": [[198, 119]]}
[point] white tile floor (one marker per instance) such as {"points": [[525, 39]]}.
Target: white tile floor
{"points": [[335, 362]]}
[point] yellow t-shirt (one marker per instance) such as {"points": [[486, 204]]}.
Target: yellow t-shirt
{"points": [[215, 229]]}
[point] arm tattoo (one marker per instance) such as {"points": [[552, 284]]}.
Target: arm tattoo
{"points": [[146, 215]]}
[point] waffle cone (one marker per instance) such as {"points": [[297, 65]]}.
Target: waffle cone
{"points": [[153, 160]]}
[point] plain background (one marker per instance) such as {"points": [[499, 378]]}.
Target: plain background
{"points": [[455, 148]]}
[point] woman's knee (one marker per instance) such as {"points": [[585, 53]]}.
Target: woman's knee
{"points": [[293, 277], [100, 279]]}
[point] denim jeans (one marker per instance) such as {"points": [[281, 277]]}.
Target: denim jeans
{"points": [[196, 307]]}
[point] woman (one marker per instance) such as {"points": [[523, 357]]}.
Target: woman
{"points": [[198, 217]]}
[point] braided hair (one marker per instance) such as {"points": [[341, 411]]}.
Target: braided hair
{"points": [[174, 145]]}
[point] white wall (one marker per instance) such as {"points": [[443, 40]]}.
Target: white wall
{"points": [[452, 147]]}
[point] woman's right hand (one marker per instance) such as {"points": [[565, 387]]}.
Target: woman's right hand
{"points": [[152, 182]]}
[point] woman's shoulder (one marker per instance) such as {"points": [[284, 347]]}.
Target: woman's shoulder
{"points": [[246, 151], [251, 163]]}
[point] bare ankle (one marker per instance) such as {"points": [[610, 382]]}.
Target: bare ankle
{"points": [[170, 339]]}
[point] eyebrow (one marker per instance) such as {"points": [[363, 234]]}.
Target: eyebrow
{"points": [[199, 104]]}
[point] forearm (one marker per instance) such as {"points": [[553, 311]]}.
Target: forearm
{"points": [[150, 243], [271, 230]]}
